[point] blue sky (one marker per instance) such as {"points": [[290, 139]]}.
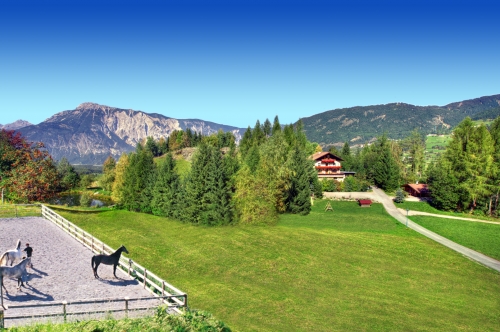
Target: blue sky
{"points": [[233, 62]]}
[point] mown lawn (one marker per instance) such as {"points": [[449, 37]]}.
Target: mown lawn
{"points": [[478, 236], [353, 269], [426, 207]]}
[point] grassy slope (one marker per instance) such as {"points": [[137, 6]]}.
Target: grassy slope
{"points": [[353, 269]]}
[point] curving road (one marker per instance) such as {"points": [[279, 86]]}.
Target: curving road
{"points": [[394, 212]]}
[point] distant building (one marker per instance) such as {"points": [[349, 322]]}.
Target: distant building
{"points": [[417, 189], [328, 166]]}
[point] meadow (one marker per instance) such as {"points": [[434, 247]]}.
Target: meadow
{"points": [[435, 146], [478, 236], [348, 269]]}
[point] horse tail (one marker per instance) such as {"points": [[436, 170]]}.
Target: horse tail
{"points": [[18, 244], [3, 259], [92, 262]]}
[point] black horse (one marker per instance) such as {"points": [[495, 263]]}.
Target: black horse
{"points": [[112, 259]]}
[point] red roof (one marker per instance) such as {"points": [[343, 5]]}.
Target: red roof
{"points": [[320, 155], [419, 188]]}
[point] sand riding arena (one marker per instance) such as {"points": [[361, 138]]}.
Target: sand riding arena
{"points": [[61, 284]]}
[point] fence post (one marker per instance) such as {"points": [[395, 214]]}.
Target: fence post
{"points": [[1, 303], [145, 276], [64, 310], [126, 306], [129, 266], [163, 288]]}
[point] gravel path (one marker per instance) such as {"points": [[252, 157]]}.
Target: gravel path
{"points": [[61, 272]]}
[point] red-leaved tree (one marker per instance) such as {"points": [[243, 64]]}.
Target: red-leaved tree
{"points": [[27, 171]]}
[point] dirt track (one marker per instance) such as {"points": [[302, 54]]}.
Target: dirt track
{"points": [[62, 269]]}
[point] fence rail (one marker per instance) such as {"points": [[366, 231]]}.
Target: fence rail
{"points": [[150, 281], [65, 305]]}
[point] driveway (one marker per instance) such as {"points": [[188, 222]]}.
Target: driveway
{"points": [[395, 213]]}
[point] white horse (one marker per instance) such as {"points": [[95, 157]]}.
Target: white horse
{"points": [[16, 271], [12, 255]]}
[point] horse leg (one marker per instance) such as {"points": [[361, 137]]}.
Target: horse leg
{"points": [[95, 270], [114, 271], [20, 282]]}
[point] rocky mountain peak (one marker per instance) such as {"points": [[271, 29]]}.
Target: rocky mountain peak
{"points": [[15, 125], [92, 106]]}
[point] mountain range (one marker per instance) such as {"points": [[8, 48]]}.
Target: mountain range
{"points": [[362, 124], [92, 132]]}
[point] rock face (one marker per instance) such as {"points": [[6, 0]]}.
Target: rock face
{"points": [[92, 132], [15, 125]]}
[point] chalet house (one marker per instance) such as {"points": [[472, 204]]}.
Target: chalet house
{"points": [[328, 166], [417, 190]]}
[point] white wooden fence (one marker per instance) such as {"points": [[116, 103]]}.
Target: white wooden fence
{"points": [[173, 297]]}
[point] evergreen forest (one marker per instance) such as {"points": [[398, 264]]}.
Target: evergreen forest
{"points": [[268, 173]]}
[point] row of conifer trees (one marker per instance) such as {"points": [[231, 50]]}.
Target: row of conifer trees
{"points": [[224, 185]]}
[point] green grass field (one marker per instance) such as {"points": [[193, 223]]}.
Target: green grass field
{"points": [[478, 236], [13, 211], [353, 269], [434, 146], [426, 207]]}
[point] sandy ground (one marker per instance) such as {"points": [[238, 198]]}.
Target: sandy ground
{"points": [[61, 272]]}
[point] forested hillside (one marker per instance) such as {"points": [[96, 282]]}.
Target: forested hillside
{"points": [[362, 124]]}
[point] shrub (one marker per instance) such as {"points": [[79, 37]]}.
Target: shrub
{"points": [[85, 199], [400, 196]]}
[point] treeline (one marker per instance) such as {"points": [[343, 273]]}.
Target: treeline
{"points": [[268, 175], [466, 177], [180, 139]]}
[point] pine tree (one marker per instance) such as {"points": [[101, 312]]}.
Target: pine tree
{"points": [[400, 196], [257, 134], [345, 154], [165, 199], [298, 199], [266, 128], [444, 186], [253, 158], [246, 142], [162, 146], [276, 125], [139, 178], [385, 169], [152, 146]]}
